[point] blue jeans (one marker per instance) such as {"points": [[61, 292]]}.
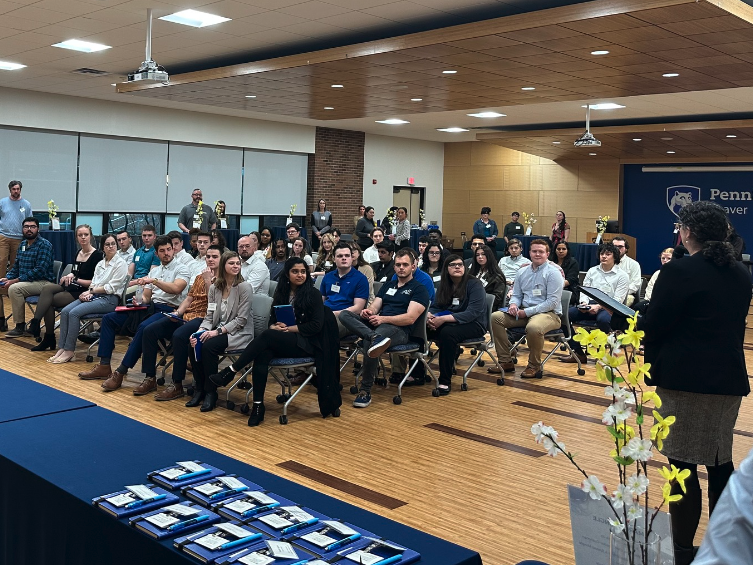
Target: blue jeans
{"points": [[70, 317], [602, 317], [113, 322]]}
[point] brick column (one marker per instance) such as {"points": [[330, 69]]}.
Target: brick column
{"points": [[335, 173]]}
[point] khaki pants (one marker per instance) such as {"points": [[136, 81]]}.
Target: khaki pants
{"points": [[536, 327], [18, 292], [8, 249]]}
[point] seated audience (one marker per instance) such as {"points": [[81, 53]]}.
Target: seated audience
{"points": [[218, 239], [126, 250], [345, 288], [457, 313], [631, 268], [28, 276], [363, 267], [536, 305], [203, 241], [179, 254], [371, 253], [101, 297], [266, 241], [163, 291], [476, 242], [570, 268], [253, 267], [389, 321], [193, 233], [68, 289], [486, 270], [276, 263], [299, 250], [229, 325], [313, 335], [325, 261], [435, 236], [611, 280], [294, 231], [145, 257], [423, 241], [432, 263], [192, 310], [385, 267], [336, 235], [511, 263]]}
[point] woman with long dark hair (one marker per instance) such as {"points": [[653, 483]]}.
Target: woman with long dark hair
{"points": [[364, 268], [218, 239], [432, 261], [315, 334], [560, 229], [266, 239], [458, 313], [365, 226], [562, 257], [695, 330], [487, 271]]}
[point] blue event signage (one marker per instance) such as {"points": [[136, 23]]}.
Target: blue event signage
{"points": [[651, 201]]}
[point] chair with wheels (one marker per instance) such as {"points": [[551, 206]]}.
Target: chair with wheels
{"points": [[481, 345], [90, 319]]}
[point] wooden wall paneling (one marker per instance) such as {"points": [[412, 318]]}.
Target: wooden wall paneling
{"points": [[599, 177], [457, 201], [486, 178], [456, 178], [517, 177], [560, 177], [492, 155], [587, 204], [457, 154]]}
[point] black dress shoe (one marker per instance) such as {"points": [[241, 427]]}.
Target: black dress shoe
{"points": [[3, 323], [34, 329], [223, 378], [210, 401], [48, 341], [257, 414], [89, 338], [198, 396]]}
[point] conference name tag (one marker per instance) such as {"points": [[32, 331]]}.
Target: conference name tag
{"points": [[437, 278], [211, 307], [181, 509], [340, 528], [260, 497], [383, 279], [335, 288], [364, 558], [141, 491], [240, 506], [211, 541], [537, 292], [191, 466], [391, 291], [281, 549], [121, 499], [234, 530], [456, 302]]}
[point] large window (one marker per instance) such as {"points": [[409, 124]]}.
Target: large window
{"points": [[133, 224]]}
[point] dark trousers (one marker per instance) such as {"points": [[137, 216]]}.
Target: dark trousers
{"points": [[263, 348], [602, 317], [447, 338], [211, 350], [113, 322], [167, 329]]}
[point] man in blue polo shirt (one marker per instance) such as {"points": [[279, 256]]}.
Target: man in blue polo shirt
{"points": [[145, 258], [344, 288]]}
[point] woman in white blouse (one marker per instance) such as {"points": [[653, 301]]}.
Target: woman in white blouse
{"points": [[101, 297]]}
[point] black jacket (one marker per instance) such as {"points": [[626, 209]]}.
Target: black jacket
{"points": [[696, 325], [382, 271], [572, 270]]}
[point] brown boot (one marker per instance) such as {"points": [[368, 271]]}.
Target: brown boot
{"points": [[113, 382], [173, 391], [508, 367], [97, 372], [531, 373], [149, 384]]}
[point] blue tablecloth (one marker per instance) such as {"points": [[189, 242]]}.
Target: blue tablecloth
{"points": [[587, 255], [279, 233], [63, 244], [52, 466], [231, 238], [29, 399], [415, 233]]}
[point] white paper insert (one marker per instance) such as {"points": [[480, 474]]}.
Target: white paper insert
{"points": [[210, 541], [172, 473], [162, 520], [141, 491], [240, 506], [120, 500], [275, 521], [237, 531], [231, 482], [208, 489], [319, 540], [182, 509], [340, 528], [298, 513], [261, 498], [363, 558], [191, 466], [256, 559], [281, 549]]}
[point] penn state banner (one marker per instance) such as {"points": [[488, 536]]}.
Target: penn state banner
{"points": [[651, 201]]}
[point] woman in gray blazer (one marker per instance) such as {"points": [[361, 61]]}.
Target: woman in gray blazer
{"points": [[227, 325]]}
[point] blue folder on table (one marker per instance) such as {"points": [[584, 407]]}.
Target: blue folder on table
{"points": [[217, 489], [170, 521], [390, 552], [285, 314], [178, 476], [245, 506], [135, 505], [285, 520], [327, 536], [196, 544], [262, 551]]}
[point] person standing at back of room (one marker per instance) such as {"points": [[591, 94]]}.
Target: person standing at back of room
{"points": [[13, 210]]}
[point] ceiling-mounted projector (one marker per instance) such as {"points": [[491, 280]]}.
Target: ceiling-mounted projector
{"points": [[587, 139], [149, 71]]}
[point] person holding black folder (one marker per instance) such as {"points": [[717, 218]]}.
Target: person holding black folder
{"points": [[314, 334], [695, 330]]}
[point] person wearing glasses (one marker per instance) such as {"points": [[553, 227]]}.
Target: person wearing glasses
{"points": [[432, 263], [458, 313], [476, 242], [294, 232], [536, 305], [101, 297], [191, 218], [631, 268]]}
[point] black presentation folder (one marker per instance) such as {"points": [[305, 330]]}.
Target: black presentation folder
{"points": [[610, 303]]}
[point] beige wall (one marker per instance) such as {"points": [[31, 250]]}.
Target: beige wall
{"points": [[480, 174]]}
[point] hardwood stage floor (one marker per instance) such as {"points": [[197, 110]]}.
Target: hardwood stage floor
{"points": [[463, 467]]}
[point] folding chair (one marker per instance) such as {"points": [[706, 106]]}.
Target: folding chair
{"points": [[560, 337], [480, 346], [32, 301], [90, 319], [318, 282], [272, 288]]}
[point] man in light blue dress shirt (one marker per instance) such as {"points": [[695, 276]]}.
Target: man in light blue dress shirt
{"points": [[13, 210]]}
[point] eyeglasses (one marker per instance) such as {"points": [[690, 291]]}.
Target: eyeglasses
{"points": [[455, 266], [476, 244], [435, 252]]}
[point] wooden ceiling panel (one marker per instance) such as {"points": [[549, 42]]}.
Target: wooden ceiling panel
{"points": [[706, 25], [670, 14], [660, 45], [483, 43], [521, 50], [722, 37], [605, 24], [544, 33]]}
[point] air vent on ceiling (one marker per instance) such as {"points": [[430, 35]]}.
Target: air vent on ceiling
{"points": [[86, 71]]}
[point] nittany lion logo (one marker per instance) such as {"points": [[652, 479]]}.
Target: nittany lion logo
{"points": [[680, 196]]}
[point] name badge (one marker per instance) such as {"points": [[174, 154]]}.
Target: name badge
{"points": [[138, 258], [384, 279], [328, 263], [537, 292], [290, 246], [437, 278], [391, 291], [196, 217], [323, 217], [456, 302], [484, 282], [335, 288], [211, 307], [197, 224], [518, 227]]}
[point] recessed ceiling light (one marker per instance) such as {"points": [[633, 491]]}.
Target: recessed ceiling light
{"points": [[83, 46], [4, 65], [667, 138], [250, 95], [487, 115], [671, 75], [194, 18], [452, 130], [636, 139], [556, 142], [449, 72], [731, 136], [528, 88], [604, 106], [416, 99], [337, 86], [601, 52], [328, 108], [592, 153], [392, 121], [670, 152]]}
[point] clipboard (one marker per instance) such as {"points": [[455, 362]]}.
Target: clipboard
{"points": [[603, 300]]}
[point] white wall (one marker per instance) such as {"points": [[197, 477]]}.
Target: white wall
{"points": [[391, 160], [28, 109]]}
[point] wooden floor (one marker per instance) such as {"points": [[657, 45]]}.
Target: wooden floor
{"points": [[463, 467]]}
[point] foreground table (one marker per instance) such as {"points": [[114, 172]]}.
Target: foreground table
{"points": [[52, 466], [28, 399]]}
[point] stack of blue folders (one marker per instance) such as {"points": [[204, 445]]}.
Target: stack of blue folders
{"points": [[218, 489], [173, 520], [184, 473]]}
